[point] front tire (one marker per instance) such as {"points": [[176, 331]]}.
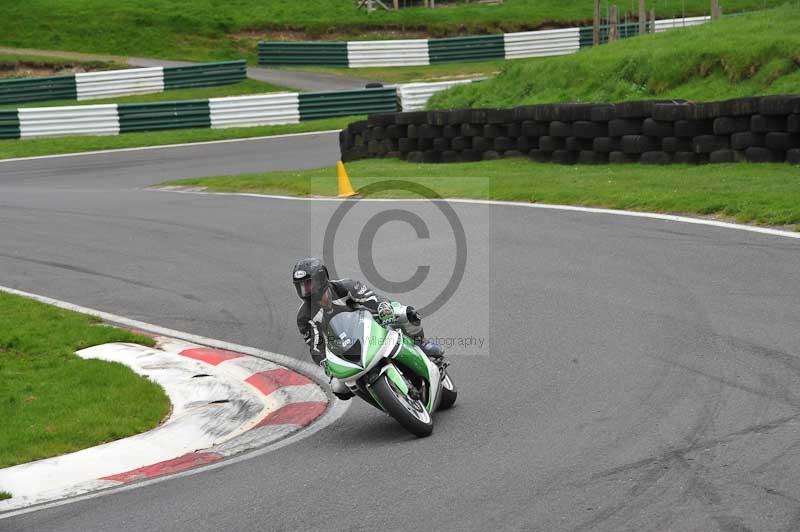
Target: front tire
{"points": [[410, 413], [449, 393]]}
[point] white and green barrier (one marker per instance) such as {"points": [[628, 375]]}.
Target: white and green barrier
{"points": [[237, 111], [258, 110], [414, 96], [358, 54], [217, 113], [114, 83], [71, 120]]}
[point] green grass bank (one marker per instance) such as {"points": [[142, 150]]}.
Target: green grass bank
{"points": [[53, 402], [209, 29], [766, 194], [736, 56]]}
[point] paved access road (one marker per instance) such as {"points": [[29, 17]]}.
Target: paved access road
{"points": [[638, 374]]}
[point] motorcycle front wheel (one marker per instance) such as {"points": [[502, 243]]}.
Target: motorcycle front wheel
{"points": [[410, 413], [449, 393]]}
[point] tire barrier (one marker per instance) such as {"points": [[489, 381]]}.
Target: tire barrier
{"points": [[113, 83], [754, 129], [357, 54], [237, 111]]}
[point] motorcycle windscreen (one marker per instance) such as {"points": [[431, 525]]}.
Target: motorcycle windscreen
{"points": [[345, 334]]}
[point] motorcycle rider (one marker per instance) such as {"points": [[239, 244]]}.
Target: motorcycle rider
{"points": [[324, 298]]}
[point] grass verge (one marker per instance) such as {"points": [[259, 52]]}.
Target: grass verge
{"points": [[24, 66], [248, 86], [209, 29], [736, 56], [59, 145], [762, 194], [4, 495], [53, 402]]}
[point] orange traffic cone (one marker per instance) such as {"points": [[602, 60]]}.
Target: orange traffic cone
{"points": [[345, 188]]}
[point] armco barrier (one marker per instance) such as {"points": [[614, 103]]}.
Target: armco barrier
{"points": [[623, 31], [92, 85], [357, 54], [541, 43], [478, 48], [678, 23], [9, 124], [302, 53], [754, 129], [259, 110], [414, 96], [237, 111], [113, 83], [387, 53], [345, 103], [205, 75], [164, 115], [72, 120], [37, 89]]}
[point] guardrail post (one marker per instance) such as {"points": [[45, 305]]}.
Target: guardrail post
{"points": [[716, 12], [613, 33], [596, 24], [642, 18]]}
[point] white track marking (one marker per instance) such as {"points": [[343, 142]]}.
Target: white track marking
{"points": [[545, 206], [169, 146]]}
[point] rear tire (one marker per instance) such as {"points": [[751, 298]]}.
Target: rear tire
{"points": [[449, 393], [410, 413]]}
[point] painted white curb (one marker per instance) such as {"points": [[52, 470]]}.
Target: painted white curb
{"points": [[223, 403]]}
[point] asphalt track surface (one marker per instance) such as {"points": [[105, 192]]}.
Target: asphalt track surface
{"points": [[639, 374]]}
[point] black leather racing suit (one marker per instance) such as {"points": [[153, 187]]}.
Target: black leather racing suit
{"points": [[345, 295]]}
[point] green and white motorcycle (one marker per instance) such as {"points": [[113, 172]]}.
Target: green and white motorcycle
{"points": [[387, 369]]}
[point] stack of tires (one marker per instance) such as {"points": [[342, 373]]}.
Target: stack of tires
{"points": [[756, 129]]}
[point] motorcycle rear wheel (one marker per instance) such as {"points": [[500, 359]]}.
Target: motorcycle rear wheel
{"points": [[410, 413]]}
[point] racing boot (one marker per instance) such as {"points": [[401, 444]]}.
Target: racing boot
{"points": [[340, 390], [434, 351]]}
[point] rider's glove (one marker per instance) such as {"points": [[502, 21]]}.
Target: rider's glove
{"points": [[385, 313]]}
